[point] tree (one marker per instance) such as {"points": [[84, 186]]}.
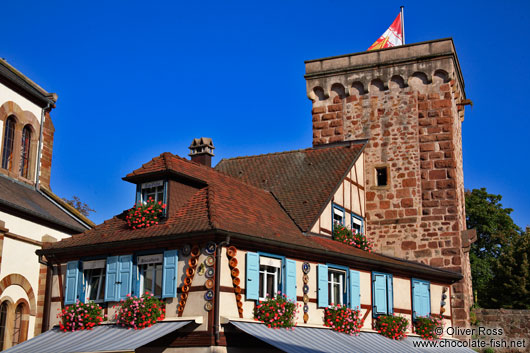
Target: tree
{"points": [[82, 207], [496, 250], [512, 274]]}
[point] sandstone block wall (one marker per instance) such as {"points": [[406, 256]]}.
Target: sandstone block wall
{"points": [[514, 323]]}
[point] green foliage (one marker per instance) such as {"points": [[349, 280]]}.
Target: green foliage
{"points": [[500, 256], [343, 319], [394, 327], [278, 312], [80, 316], [512, 270], [145, 215], [140, 312], [425, 327], [352, 238]]}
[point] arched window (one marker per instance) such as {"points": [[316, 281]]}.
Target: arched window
{"points": [[17, 328], [9, 141], [24, 158], [3, 316]]}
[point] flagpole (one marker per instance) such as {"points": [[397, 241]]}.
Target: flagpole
{"points": [[403, 24]]}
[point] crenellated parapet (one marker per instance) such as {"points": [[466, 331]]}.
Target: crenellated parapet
{"points": [[387, 70]]}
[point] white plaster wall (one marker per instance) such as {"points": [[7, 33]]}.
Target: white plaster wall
{"points": [[19, 257], [6, 94], [402, 293], [29, 229]]}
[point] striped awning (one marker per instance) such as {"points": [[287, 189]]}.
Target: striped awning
{"points": [[321, 340], [104, 338]]}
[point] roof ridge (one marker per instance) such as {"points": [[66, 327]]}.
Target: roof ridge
{"points": [[314, 148], [209, 200], [218, 172]]}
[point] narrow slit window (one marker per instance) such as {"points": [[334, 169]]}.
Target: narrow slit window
{"points": [[9, 139], [24, 158], [381, 174]]}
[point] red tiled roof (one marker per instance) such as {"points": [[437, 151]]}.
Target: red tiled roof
{"points": [[303, 181], [224, 204]]}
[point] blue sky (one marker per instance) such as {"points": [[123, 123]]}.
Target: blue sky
{"points": [[136, 79]]}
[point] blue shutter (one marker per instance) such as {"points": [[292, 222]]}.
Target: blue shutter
{"points": [[124, 276], [252, 281], [323, 301], [290, 280], [390, 292], [71, 282], [416, 299], [111, 280], [425, 299], [355, 289], [379, 294], [81, 286], [169, 274]]}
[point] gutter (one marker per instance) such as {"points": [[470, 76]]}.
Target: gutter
{"points": [[63, 209], [39, 155], [217, 325]]}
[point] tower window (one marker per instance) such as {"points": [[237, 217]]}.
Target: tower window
{"points": [[24, 158], [9, 139], [381, 176]]}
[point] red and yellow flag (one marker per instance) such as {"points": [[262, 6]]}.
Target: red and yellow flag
{"points": [[393, 35]]}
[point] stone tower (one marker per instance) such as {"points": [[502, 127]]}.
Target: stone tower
{"points": [[408, 101]]}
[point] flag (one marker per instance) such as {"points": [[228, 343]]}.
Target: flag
{"points": [[393, 35]]}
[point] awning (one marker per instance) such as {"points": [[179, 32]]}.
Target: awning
{"points": [[321, 340], [104, 338]]}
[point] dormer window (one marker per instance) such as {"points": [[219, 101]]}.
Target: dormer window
{"points": [[154, 190]]}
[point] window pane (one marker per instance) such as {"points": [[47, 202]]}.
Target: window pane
{"points": [[158, 281], [93, 285], [148, 279], [18, 324], [3, 315], [101, 294], [270, 285], [24, 158], [9, 139]]}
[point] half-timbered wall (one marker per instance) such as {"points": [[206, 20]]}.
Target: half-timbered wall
{"points": [[350, 195]]}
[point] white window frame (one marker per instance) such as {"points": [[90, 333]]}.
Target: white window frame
{"points": [[266, 264], [338, 210], [358, 221], [341, 283], [152, 263], [89, 268], [152, 185]]}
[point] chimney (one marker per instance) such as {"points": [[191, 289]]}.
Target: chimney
{"points": [[201, 151]]}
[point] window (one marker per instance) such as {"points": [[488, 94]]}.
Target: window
{"points": [[17, 327], [25, 150], [269, 274], [381, 176], [154, 190], [421, 298], [357, 224], [9, 139], [94, 274], [382, 293], [336, 287], [269, 277], [338, 215], [150, 274], [3, 317]]}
